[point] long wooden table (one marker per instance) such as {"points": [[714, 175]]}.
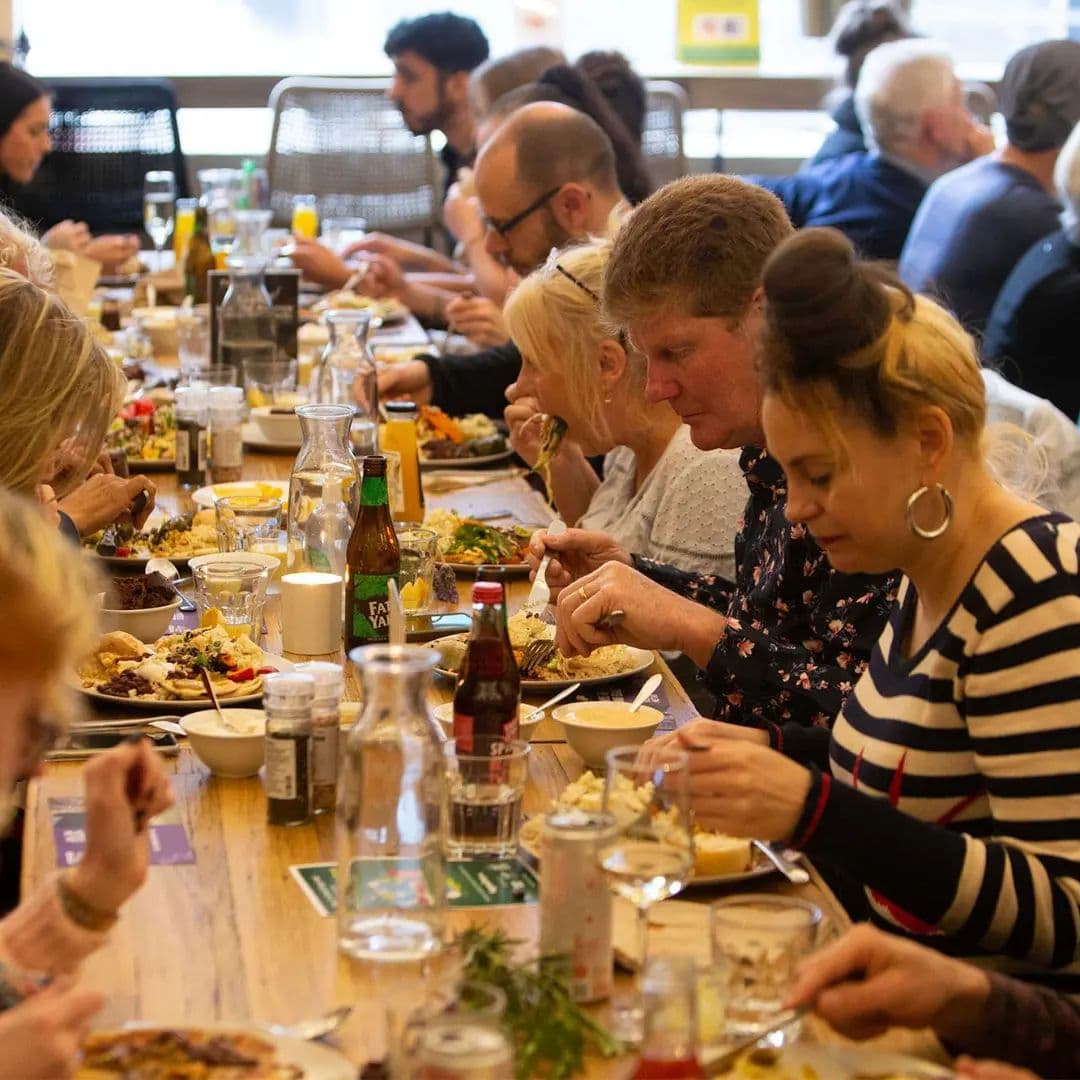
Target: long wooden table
{"points": [[231, 937]]}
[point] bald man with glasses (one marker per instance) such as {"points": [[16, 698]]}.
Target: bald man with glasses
{"points": [[545, 179]]}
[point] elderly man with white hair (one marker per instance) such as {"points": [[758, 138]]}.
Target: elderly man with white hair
{"points": [[911, 108], [1033, 333]]}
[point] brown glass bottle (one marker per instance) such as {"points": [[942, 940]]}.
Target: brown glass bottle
{"points": [[373, 558], [489, 687], [494, 572], [200, 259]]}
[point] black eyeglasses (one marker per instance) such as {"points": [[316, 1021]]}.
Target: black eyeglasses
{"points": [[503, 227]]}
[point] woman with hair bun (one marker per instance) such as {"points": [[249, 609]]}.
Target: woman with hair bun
{"points": [[948, 786]]}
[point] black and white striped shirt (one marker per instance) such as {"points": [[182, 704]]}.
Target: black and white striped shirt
{"points": [[958, 801]]}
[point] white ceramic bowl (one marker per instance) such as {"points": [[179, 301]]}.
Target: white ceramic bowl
{"points": [[277, 427], [147, 624], [159, 323], [594, 727], [226, 752], [444, 713]]}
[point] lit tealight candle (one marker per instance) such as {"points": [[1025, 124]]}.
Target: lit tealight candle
{"points": [[311, 613]]}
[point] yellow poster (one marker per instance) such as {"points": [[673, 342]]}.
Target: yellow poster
{"points": [[719, 32]]}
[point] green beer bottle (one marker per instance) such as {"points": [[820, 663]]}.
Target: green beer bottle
{"points": [[373, 559]]}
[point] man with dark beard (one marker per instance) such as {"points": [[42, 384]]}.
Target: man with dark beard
{"points": [[432, 57]]}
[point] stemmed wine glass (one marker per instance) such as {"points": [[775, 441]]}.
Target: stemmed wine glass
{"points": [[651, 853], [159, 208]]}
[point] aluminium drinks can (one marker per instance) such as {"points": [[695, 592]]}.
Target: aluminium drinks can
{"points": [[463, 1049], [575, 902]]}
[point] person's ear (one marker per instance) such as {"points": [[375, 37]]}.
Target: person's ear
{"points": [[571, 209], [611, 359], [456, 87], [934, 430]]}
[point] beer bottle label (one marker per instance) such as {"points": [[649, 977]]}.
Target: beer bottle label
{"points": [[370, 605]]}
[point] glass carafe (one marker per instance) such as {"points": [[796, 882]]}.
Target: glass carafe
{"points": [[324, 470], [391, 814], [344, 374], [247, 328]]}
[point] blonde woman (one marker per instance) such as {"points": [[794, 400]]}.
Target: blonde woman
{"points": [[58, 393], [660, 496], [948, 784], [46, 625]]}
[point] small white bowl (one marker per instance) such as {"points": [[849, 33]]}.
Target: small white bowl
{"points": [[444, 713], [147, 624], [277, 427], [594, 727], [159, 324], [228, 753]]}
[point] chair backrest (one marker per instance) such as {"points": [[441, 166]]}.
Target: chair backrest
{"points": [[107, 134], [662, 137], [343, 141]]}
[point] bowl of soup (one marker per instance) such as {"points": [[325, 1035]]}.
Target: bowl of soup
{"points": [[593, 728], [235, 750]]}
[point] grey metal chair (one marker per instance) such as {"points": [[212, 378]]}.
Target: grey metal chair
{"points": [[343, 141], [662, 138]]}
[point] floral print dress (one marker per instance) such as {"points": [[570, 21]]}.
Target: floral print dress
{"points": [[799, 633]]}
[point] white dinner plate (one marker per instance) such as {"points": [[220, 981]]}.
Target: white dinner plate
{"points": [[160, 705], [138, 562], [834, 1062], [465, 462], [318, 1062], [642, 661], [205, 496], [254, 439]]}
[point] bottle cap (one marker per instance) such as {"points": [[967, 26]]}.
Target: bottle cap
{"points": [[400, 408], [374, 465], [288, 690], [487, 592], [329, 678]]}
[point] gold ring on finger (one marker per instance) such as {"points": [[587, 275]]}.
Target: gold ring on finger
{"points": [[582, 593]]}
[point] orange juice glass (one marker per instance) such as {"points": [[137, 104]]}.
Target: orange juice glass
{"points": [[305, 216], [183, 227]]}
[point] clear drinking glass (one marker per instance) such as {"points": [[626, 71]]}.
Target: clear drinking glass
{"points": [[391, 814], [305, 216], [485, 794], [418, 549], [193, 342], [159, 209], [651, 854], [251, 523], [324, 470], [270, 380], [237, 589], [339, 232], [250, 226], [758, 940]]}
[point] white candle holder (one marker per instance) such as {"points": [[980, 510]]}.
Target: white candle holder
{"points": [[311, 613]]}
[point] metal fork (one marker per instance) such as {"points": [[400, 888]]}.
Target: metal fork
{"points": [[537, 653], [540, 594]]}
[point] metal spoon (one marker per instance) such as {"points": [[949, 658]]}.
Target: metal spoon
{"points": [[318, 1027], [651, 683], [795, 874], [169, 572], [166, 725], [552, 701]]}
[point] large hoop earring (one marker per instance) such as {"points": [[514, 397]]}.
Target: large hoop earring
{"points": [[909, 512]]}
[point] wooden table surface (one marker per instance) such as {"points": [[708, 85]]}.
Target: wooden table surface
{"points": [[231, 937]]}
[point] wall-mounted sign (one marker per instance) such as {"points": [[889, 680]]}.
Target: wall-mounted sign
{"points": [[719, 32]]}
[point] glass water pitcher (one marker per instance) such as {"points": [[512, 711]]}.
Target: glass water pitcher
{"points": [[391, 813], [344, 374], [324, 478], [247, 327]]}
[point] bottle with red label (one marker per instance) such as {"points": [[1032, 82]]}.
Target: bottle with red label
{"points": [[489, 685]]}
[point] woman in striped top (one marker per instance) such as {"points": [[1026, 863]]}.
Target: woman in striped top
{"points": [[949, 787]]}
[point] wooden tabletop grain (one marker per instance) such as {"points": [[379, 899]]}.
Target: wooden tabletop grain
{"points": [[231, 937]]}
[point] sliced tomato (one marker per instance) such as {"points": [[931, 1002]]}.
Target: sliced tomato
{"points": [[243, 675], [123, 552], [266, 671]]}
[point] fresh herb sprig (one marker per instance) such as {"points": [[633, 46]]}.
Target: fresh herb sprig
{"points": [[551, 1032]]}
